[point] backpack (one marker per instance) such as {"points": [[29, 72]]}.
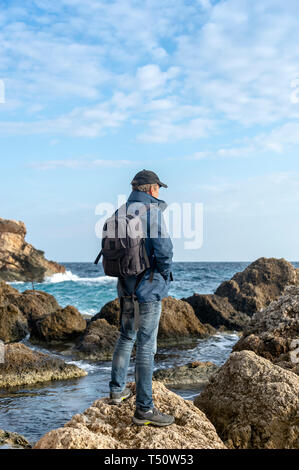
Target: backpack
{"points": [[123, 244]]}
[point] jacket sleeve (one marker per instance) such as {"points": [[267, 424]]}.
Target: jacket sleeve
{"points": [[161, 243]]}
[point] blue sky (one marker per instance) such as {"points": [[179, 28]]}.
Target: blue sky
{"points": [[205, 93]]}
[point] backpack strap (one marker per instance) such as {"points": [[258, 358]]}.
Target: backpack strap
{"points": [[98, 258]]}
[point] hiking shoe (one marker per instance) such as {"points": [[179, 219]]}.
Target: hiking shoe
{"points": [[152, 416], [118, 397]]}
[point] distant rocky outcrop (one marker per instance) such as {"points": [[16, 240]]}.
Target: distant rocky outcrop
{"points": [[273, 332], [178, 323], [20, 261], [194, 373], [236, 300], [104, 426], [261, 282], [23, 366], [253, 403]]}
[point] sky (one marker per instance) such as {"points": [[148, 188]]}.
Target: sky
{"points": [[203, 92]]}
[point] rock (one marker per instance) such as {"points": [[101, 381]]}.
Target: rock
{"points": [[13, 440], [178, 323], [193, 373], [261, 282], [13, 324], [23, 366], [97, 342], [64, 324], [103, 426], [253, 403], [217, 311], [110, 312], [273, 332], [20, 261]]}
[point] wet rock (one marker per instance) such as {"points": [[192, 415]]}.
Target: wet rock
{"points": [[20, 261], [13, 324], [64, 324], [97, 342], [193, 373], [217, 311], [260, 283], [23, 366], [103, 426], [253, 403], [11, 440], [273, 332]]}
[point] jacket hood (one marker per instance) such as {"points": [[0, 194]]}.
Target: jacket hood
{"points": [[145, 198]]}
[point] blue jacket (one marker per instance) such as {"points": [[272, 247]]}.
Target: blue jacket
{"points": [[159, 248]]}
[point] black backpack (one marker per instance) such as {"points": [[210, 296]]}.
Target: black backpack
{"points": [[123, 244]]}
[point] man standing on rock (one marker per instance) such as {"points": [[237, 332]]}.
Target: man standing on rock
{"points": [[148, 290]]}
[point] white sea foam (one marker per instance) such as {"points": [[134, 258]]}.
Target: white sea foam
{"points": [[69, 276]]}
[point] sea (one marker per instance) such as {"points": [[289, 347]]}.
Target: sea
{"points": [[34, 410]]}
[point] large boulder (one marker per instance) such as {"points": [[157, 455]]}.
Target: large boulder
{"points": [[261, 282], [23, 366], [20, 261], [273, 332], [217, 311], [64, 324], [97, 342], [194, 373], [178, 323], [253, 403], [103, 426], [13, 324]]}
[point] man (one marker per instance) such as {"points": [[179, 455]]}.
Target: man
{"points": [[151, 289]]}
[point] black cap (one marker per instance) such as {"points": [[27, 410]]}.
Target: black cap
{"points": [[147, 177]]}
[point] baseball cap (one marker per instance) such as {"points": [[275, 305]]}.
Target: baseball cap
{"points": [[147, 177]]}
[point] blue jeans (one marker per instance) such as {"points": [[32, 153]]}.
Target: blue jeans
{"points": [[146, 347]]}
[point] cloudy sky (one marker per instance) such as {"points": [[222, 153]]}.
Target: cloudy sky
{"points": [[204, 92]]}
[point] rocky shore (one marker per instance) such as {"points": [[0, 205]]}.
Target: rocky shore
{"points": [[249, 402], [20, 261], [103, 426]]}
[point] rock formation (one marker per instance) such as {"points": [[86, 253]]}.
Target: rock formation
{"points": [[104, 426], [65, 324], [20, 261], [97, 342], [253, 403], [235, 301], [22, 366], [194, 373], [273, 332], [261, 282]]}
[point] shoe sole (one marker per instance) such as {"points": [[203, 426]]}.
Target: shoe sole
{"points": [[117, 401], [146, 422]]}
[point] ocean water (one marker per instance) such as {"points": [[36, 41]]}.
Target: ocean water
{"points": [[35, 410]]}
